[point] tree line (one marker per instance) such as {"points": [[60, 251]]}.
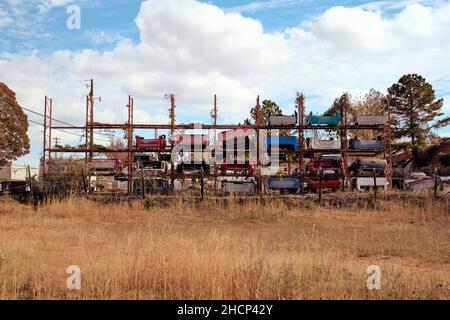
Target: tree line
{"points": [[416, 113]]}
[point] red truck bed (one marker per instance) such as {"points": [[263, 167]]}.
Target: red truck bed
{"points": [[326, 184], [192, 139], [102, 164], [234, 133], [149, 144], [326, 164], [233, 166]]}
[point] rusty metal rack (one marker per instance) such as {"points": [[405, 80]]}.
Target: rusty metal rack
{"points": [[90, 126]]}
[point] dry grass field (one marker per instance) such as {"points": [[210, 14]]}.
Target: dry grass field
{"points": [[212, 252]]}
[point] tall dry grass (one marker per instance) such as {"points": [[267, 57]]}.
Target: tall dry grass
{"points": [[223, 252]]}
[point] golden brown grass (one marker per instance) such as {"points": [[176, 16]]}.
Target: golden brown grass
{"points": [[234, 252]]}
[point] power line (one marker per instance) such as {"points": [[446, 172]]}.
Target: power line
{"points": [[68, 132], [40, 114], [65, 123]]}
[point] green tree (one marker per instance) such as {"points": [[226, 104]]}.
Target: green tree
{"points": [[337, 107], [415, 111], [14, 141], [372, 103], [339, 104], [268, 108]]}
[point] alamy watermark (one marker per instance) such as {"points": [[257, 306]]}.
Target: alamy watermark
{"points": [[74, 280], [241, 148], [374, 279], [73, 22]]}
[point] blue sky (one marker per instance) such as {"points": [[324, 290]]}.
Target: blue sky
{"points": [[319, 47], [106, 22]]}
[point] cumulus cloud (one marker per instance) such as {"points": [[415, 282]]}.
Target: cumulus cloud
{"points": [[207, 51]]}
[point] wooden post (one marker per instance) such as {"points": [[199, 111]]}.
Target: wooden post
{"points": [[84, 182], [435, 184], [320, 185], [202, 182], [143, 186], [30, 182], [375, 187]]}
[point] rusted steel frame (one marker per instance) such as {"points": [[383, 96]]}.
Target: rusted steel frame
{"points": [[44, 145], [86, 137], [344, 144], [91, 121], [172, 141], [218, 127], [301, 114], [215, 142], [130, 143], [387, 143], [50, 130]]}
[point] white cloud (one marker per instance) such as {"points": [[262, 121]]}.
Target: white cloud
{"points": [[400, 4], [352, 29], [207, 51], [29, 21], [262, 5], [5, 19], [45, 6], [104, 37], [446, 107]]}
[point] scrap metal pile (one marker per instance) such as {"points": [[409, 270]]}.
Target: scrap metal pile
{"points": [[282, 154]]}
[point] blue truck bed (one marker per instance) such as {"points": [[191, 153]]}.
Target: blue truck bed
{"points": [[283, 183], [283, 142]]}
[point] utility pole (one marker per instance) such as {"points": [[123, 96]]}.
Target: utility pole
{"points": [[86, 134], [45, 144], [50, 130], [91, 119]]}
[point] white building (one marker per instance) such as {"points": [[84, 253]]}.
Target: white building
{"points": [[17, 173]]}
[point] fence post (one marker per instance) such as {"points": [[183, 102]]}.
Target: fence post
{"points": [[375, 187], [30, 182], [435, 184], [320, 185], [143, 186], [84, 181], [202, 184]]}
